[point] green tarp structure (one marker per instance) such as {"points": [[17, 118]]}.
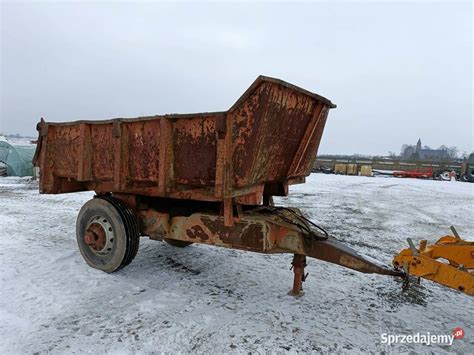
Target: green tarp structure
{"points": [[17, 158]]}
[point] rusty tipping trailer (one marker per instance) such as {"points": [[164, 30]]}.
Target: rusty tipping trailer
{"points": [[196, 178]]}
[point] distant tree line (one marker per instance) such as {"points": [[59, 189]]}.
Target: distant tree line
{"points": [[408, 153]]}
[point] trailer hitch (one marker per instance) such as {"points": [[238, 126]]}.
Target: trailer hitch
{"points": [[335, 252]]}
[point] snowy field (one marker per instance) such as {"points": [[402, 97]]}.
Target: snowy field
{"points": [[205, 299]]}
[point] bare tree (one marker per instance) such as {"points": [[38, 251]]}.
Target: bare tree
{"points": [[402, 150], [453, 152]]}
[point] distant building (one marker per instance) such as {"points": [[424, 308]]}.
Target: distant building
{"points": [[417, 152], [434, 154]]}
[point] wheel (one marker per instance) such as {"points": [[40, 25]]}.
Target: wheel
{"points": [[107, 233], [177, 243]]}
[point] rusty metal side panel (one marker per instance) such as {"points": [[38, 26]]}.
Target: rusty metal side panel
{"points": [[194, 151], [143, 149], [103, 154], [269, 136], [305, 157], [268, 128], [312, 149], [41, 159], [64, 143]]}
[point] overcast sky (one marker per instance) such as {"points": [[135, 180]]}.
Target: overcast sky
{"points": [[396, 71]]}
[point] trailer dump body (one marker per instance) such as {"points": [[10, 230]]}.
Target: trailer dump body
{"points": [[266, 140], [197, 178]]}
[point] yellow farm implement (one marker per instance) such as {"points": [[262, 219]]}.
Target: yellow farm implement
{"points": [[427, 262]]}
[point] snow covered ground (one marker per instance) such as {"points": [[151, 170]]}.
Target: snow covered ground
{"points": [[205, 299]]}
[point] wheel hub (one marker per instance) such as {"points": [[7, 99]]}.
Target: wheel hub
{"points": [[95, 237], [99, 235]]}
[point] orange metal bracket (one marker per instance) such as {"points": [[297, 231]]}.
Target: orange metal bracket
{"points": [[424, 262]]}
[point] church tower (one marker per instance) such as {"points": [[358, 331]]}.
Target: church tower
{"points": [[418, 145]]}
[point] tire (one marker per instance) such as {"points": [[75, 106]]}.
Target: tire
{"points": [[107, 234], [177, 243], [467, 178]]}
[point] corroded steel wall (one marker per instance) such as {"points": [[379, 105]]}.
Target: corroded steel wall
{"points": [[265, 141], [268, 129]]}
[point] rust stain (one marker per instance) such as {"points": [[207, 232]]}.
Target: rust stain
{"points": [[196, 232], [144, 148], [195, 140], [351, 262]]}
